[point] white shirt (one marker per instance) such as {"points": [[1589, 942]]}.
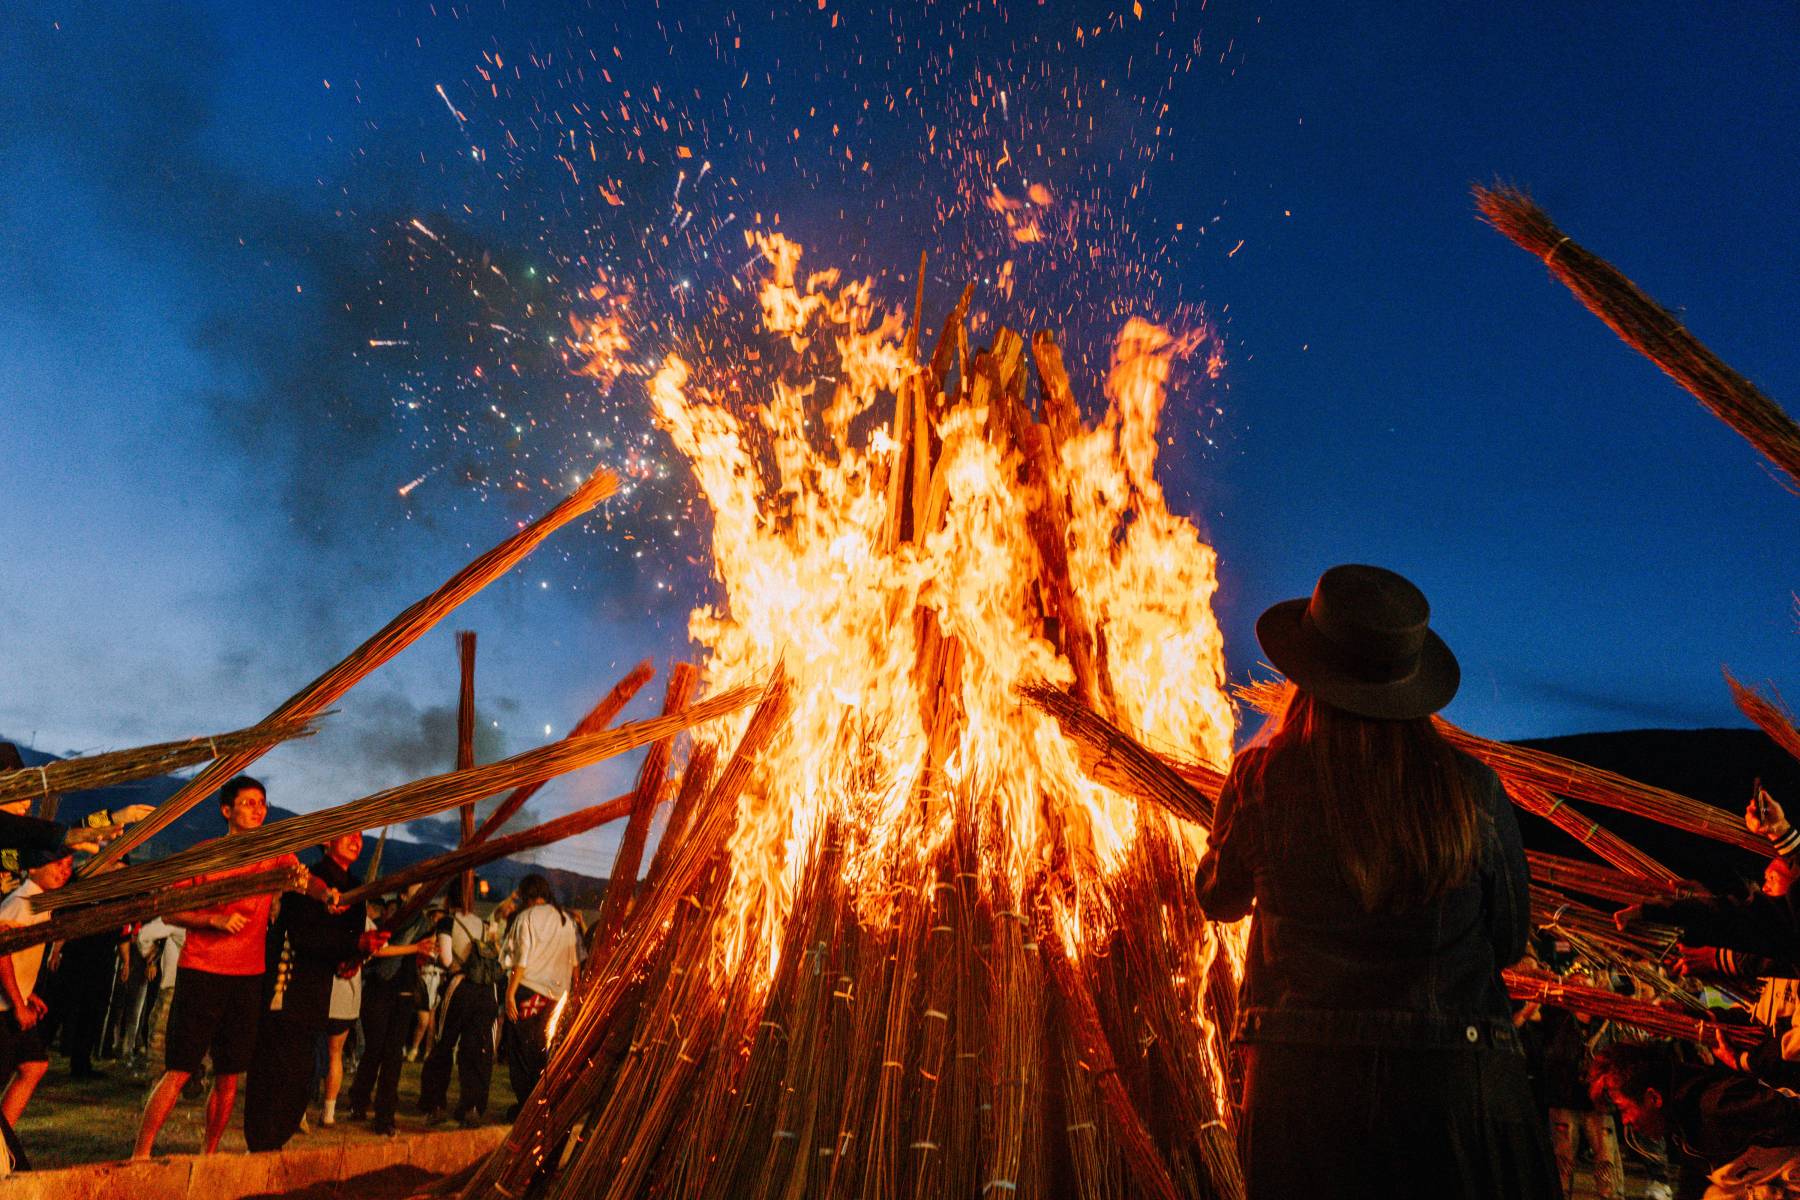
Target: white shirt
{"points": [[171, 938], [547, 945], [453, 947], [16, 910]]}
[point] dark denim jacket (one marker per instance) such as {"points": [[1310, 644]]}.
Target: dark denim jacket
{"points": [[1321, 970]]}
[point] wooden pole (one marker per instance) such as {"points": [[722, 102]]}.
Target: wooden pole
{"points": [[465, 750], [392, 638]]}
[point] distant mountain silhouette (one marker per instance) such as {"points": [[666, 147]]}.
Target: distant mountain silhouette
{"points": [[203, 821]]}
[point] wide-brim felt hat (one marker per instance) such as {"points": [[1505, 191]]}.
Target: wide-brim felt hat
{"points": [[1362, 642]]}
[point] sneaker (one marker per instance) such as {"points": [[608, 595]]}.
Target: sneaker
{"points": [[470, 1120], [436, 1116], [359, 1114], [327, 1120], [304, 1127], [384, 1128]]}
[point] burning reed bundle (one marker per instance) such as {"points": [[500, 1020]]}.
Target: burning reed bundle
{"points": [[835, 981], [1658, 1020], [117, 914], [392, 638], [1647, 327], [1115, 758], [420, 798], [478, 854], [140, 762]]}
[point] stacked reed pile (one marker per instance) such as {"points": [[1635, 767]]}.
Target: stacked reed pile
{"points": [[963, 1043]]}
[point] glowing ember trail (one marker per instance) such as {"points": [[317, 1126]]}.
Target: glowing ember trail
{"points": [[931, 956]]}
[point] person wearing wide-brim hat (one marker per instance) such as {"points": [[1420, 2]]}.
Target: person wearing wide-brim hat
{"points": [[1389, 887]]}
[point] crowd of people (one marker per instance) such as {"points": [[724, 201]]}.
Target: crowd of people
{"points": [[1382, 869], [281, 997]]}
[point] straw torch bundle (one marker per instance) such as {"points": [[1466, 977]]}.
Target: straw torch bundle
{"points": [[1537, 988], [477, 854], [392, 638], [116, 914], [140, 762], [1771, 716], [1646, 327], [420, 798]]}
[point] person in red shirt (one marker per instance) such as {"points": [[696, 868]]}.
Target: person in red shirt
{"points": [[218, 986]]}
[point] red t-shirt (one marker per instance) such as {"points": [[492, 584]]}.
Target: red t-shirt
{"points": [[239, 953]]}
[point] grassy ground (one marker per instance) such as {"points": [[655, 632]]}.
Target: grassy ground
{"points": [[74, 1121]]}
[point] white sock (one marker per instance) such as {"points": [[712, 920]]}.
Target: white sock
{"points": [[331, 1110]]}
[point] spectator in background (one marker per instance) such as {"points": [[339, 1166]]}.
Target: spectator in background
{"points": [[23, 1057], [80, 993], [218, 990], [466, 1024], [543, 947], [1743, 1135], [159, 943], [390, 988], [346, 1003]]}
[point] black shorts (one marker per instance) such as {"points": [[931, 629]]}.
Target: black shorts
{"points": [[216, 1014], [338, 1026], [20, 1045]]}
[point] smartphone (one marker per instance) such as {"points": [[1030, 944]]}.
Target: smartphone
{"points": [[1759, 800]]}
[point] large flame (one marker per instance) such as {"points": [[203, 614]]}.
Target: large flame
{"points": [[904, 653]]}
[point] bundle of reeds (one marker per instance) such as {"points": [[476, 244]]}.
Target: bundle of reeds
{"points": [[1114, 758], [477, 854], [392, 638], [598, 718], [420, 798], [1589, 832], [66, 923], [141, 762], [1592, 879], [1768, 713], [1647, 327], [621, 878], [567, 1089], [1537, 988]]}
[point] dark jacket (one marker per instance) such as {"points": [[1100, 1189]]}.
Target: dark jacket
{"points": [[1716, 1114], [310, 942], [1322, 970]]}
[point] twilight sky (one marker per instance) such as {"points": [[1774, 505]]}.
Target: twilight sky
{"points": [[283, 295]]}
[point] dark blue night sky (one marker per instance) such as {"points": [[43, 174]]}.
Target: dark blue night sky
{"points": [[259, 275]]}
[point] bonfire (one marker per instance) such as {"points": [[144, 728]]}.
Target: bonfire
{"points": [[917, 950]]}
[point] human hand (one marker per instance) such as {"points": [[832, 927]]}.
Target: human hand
{"points": [[85, 847], [1696, 960], [229, 922], [1737, 1060], [1764, 816], [132, 813], [512, 1009]]}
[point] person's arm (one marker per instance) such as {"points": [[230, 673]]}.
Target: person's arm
{"points": [[9, 983], [208, 918], [1226, 881]]}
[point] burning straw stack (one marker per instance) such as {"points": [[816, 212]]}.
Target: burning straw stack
{"points": [[960, 1044]]}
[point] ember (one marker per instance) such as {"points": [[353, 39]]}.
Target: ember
{"points": [[915, 949]]}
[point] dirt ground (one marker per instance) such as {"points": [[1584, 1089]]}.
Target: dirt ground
{"points": [[94, 1120]]}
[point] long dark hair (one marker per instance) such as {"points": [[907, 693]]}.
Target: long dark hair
{"points": [[1393, 796]]}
